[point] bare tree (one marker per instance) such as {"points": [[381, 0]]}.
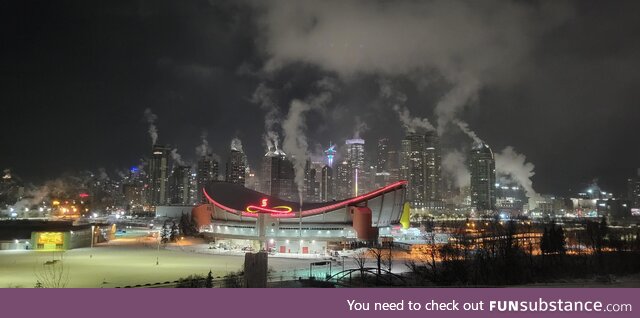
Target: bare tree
{"points": [[52, 274], [361, 259], [388, 260], [378, 254]]}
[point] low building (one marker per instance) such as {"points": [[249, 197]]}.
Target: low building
{"points": [[173, 211], [51, 235]]}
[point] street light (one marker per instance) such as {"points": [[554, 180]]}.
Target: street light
{"points": [[158, 253]]}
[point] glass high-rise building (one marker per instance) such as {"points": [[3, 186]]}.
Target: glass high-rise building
{"points": [[278, 176], [355, 158], [179, 185], [327, 184], [482, 166], [420, 164], [343, 180], [236, 167], [433, 171], [157, 175], [382, 174], [207, 171]]}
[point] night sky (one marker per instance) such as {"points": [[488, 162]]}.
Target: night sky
{"points": [[557, 81]]}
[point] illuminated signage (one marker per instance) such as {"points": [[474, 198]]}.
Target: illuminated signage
{"points": [[264, 208], [50, 238]]}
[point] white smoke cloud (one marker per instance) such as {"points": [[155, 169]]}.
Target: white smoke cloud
{"points": [[102, 174], [265, 97], [359, 128], [272, 140], [122, 174], [412, 124], [295, 140], [61, 187], [389, 93], [177, 158], [151, 118], [465, 129], [203, 149], [454, 166], [464, 92], [466, 44], [236, 144], [514, 165], [398, 99]]}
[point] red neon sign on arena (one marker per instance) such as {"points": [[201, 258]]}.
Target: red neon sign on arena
{"points": [[264, 208]]}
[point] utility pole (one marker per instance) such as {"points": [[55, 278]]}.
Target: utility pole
{"points": [[158, 252]]}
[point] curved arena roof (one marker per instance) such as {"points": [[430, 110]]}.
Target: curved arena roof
{"points": [[245, 202]]}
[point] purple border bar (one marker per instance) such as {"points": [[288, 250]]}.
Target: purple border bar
{"points": [[299, 303]]}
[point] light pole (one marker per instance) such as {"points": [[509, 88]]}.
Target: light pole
{"points": [[158, 252]]}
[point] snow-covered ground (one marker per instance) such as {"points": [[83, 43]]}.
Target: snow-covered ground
{"points": [[129, 261]]}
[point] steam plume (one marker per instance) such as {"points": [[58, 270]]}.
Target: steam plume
{"points": [[236, 144], [359, 128], [177, 158], [465, 128], [515, 166], [407, 38], [412, 124], [203, 149], [455, 167], [295, 140], [265, 97], [151, 119]]}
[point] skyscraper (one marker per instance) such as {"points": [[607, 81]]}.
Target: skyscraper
{"points": [[278, 176], [311, 182], [483, 177], [383, 154], [433, 171], [252, 180], [355, 159], [633, 191], [382, 163], [193, 188], [415, 160], [404, 160], [236, 167], [355, 153], [393, 165], [179, 185], [157, 175], [343, 180], [207, 171], [327, 184]]}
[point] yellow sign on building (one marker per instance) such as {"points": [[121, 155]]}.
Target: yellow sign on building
{"points": [[50, 240]]}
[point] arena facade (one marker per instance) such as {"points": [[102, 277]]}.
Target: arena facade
{"points": [[240, 217]]}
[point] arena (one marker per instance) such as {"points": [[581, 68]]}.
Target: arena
{"points": [[240, 217]]}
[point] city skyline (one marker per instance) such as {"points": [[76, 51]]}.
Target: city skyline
{"points": [[323, 144], [226, 82]]}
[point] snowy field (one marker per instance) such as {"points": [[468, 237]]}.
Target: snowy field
{"points": [[130, 261]]}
